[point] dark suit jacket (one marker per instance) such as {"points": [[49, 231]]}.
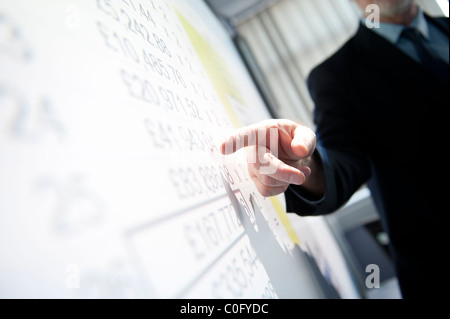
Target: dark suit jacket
{"points": [[381, 119]]}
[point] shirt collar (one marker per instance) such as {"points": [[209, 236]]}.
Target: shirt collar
{"points": [[392, 31]]}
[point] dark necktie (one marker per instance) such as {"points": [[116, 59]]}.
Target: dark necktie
{"points": [[428, 59]]}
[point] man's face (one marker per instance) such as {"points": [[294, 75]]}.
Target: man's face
{"points": [[388, 8]]}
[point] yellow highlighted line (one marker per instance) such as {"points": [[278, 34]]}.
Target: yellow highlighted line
{"points": [[285, 220]]}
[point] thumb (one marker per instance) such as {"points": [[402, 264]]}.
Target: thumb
{"points": [[303, 142]]}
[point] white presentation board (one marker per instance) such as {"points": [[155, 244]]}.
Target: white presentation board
{"points": [[111, 183]]}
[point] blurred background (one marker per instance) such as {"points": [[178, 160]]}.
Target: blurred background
{"points": [[285, 39]]}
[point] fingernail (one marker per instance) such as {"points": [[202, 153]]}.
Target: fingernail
{"points": [[295, 179]]}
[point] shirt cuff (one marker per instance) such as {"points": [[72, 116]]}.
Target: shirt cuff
{"points": [[297, 201]]}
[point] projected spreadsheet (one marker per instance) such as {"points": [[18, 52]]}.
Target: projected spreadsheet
{"points": [[111, 183]]}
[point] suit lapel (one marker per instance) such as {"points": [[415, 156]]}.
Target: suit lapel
{"points": [[379, 56], [441, 23]]}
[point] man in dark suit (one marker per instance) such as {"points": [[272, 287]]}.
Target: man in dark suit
{"points": [[380, 109]]}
